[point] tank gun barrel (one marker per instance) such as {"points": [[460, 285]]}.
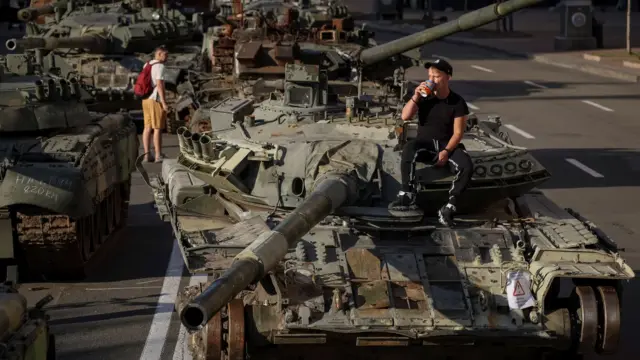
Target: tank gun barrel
{"points": [[93, 43], [465, 22], [264, 253], [32, 13]]}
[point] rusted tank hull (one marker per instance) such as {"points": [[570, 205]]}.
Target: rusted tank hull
{"points": [[242, 331]]}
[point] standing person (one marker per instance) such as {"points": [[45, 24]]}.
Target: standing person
{"points": [[155, 107], [442, 118]]}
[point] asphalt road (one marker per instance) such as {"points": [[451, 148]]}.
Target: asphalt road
{"points": [[581, 127]]}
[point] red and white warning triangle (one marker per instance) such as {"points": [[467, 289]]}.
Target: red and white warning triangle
{"points": [[518, 290]]}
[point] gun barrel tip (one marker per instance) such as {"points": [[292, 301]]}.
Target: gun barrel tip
{"points": [[11, 44], [24, 15], [193, 317]]}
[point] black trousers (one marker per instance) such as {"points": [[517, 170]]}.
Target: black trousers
{"points": [[426, 151]]}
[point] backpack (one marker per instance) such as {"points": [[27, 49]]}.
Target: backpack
{"points": [[144, 87]]}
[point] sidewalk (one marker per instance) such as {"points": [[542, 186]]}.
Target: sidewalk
{"points": [[533, 38]]}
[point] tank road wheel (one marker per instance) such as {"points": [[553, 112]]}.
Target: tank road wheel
{"points": [[235, 330], [214, 338], [586, 308], [609, 320], [225, 333]]}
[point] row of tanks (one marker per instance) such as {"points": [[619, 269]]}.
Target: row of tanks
{"points": [[66, 177], [106, 46], [66, 174], [279, 194]]}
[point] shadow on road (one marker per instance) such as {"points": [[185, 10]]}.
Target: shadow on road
{"points": [[618, 167]]}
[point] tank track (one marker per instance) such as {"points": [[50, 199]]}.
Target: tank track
{"points": [[58, 247]]}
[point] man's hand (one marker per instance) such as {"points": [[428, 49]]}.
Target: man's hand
{"points": [[165, 107], [422, 88], [443, 156]]}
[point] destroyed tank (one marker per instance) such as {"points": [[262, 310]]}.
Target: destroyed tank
{"points": [[66, 176], [256, 41], [24, 331], [284, 205], [106, 46]]}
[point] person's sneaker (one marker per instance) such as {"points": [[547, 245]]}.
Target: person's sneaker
{"points": [[445, 215], [405, 201]]}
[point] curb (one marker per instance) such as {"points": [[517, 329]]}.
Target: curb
{"points": [[593, 70]]}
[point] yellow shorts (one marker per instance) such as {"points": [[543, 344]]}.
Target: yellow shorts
{"points": [[154, 115]]}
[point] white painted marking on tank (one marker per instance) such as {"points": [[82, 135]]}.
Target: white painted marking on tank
{"points": [[182, 345], [519, 131], [584, 168], [482, 68], [597, 105], [535, 85], [166, 301], [123, 288], [472, 107], [441, 57]]}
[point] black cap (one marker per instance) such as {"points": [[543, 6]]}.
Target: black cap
{"points": [[441, 65]]}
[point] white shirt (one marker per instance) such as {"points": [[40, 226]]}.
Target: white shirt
{"points": [[157, 73]]}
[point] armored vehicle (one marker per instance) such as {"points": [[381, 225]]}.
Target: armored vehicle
{"points": [[66, 175], [25, 333], [106, 46], [284, 205]]}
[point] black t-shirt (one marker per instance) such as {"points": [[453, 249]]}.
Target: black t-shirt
{"points": [[436, 116]]}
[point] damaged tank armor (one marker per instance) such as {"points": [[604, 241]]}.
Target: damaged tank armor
{"points": [[66, 174], [284, 205], [106, 45]]}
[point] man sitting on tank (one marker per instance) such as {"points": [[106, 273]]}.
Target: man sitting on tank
{"points": [[442, 115]]}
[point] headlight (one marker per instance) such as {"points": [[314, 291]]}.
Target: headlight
{"points": [[155, 16]]}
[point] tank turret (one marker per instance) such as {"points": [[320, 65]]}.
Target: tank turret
{"points": [[329, 193], [32, 13]]}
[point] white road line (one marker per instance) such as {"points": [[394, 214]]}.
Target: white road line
{"points": [[182, 345], [440, 56], [597, 105], [481, 68], [122, 288], [166, 301], [519, 131], [472, 107], [535, 85], [147, 282], [584, 168]]}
